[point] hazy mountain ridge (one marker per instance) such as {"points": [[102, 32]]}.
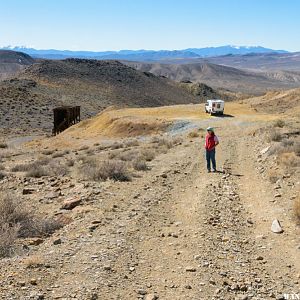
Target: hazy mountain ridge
{"points": [[220, 76], [145, 55]]}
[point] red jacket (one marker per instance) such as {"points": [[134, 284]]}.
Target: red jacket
{"points": [[210, 141]]}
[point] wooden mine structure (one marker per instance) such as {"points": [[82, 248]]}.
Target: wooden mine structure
{"points": [[64, 117]]}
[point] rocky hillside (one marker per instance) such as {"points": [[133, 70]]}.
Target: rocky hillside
{"points": [[220, 76], [27, 101], [11, 62], [277, 102]]}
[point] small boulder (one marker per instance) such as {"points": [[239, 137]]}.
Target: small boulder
{"points": [[28, 191], [276, 227], [70, 204]]}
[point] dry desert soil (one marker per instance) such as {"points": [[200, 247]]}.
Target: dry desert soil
{"points": [[172, 231]]}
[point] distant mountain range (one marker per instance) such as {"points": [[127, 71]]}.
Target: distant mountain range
{"points": [[146, 55]]}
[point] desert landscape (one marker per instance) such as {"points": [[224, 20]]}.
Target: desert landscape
{"points": [[105, 115], [120, 206]]}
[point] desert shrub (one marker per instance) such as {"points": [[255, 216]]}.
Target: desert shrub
{"points": [[279, 123], [2, 168], [33, 261], [70, 162], [177, 140], [30, 166], [85, 159], [275, 136], [287, 143], [132, 143], [3, 145], [37, 172], [110, 169], [48, 152], [2, 175], [193, 134], [117, 145], [155, 140], [16, 220], [8, 236], [297, 208], [289, 160], [60, 154], [296, 148], [128, 155], [113, 154], [57, 169], [164, 142], [140, 164], [148, 154], [90, 152]]}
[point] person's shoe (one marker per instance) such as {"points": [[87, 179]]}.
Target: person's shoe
{"points": [[208, 171], [214, 170]]}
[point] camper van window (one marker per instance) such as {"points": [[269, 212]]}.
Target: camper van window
{"points": [[219, 105], [214, 104]]}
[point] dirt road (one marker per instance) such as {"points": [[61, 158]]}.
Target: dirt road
{"points": [[177, 232]]}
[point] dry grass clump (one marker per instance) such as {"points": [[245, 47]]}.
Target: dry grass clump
{"points": [[2, 168], [140, 164], [193, 134], [70, 162], [48, 152], [117, 145], [296, 148], [289, 159], [279, 123], [147, 154], [28, 167], [132, 143], [164, 142], [17, 221], [275, 136], [8, 236], [110, 169], [297, 208], [37, 172], [42, 167], [60, 154], [33, 261], [128, 155]]}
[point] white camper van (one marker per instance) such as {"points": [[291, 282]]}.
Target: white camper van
{"points": [[214, 107]]}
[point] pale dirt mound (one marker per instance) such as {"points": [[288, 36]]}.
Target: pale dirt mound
{"points": [[277, 102]]}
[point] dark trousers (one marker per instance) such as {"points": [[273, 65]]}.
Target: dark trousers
{"points": [[211, 157]]}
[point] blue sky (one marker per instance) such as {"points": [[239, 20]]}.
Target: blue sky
{"points": [[149, 24]]}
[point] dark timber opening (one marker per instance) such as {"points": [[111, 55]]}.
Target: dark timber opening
{"points": [[64, 117]]}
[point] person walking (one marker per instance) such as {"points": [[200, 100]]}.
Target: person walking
{"points": [[211, 141]]}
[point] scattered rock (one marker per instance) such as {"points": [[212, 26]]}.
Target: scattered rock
{"points": [[70, 204], [57, 242], [151, 297], [28, 191], [276, 227], [141, 292], [190, 269]]}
